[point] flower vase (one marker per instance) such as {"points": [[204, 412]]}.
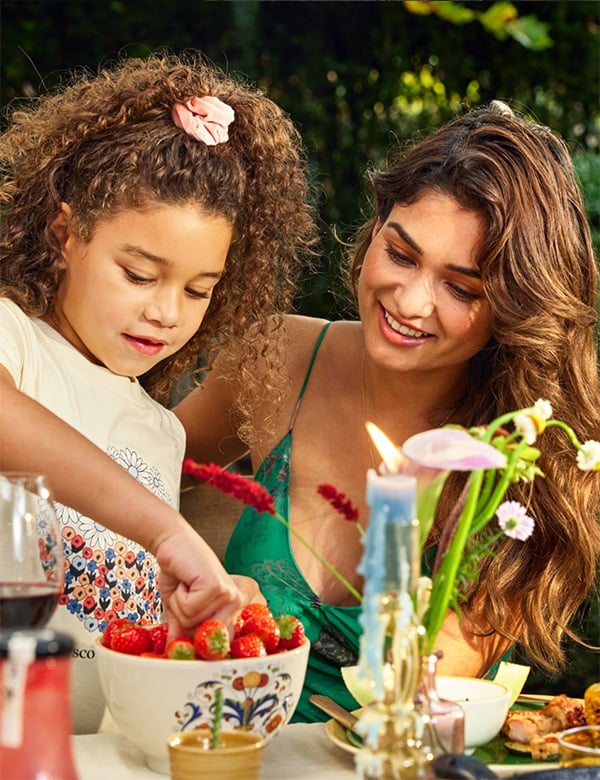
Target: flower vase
{"points": [[395, 742], [443, 720]]}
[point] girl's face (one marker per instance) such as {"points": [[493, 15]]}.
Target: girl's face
{"points": [[138, 290], [420, 292]]}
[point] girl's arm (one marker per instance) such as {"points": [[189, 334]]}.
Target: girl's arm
{"points": [[194, 585]]}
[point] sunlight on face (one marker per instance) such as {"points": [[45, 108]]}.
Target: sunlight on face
{"points": [[138, 290], [420, 293]]}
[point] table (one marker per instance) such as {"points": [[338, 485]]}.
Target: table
{"points": [[300, 751]]}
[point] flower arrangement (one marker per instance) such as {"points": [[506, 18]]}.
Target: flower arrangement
{"points": [[255, 495], [495, 456]]}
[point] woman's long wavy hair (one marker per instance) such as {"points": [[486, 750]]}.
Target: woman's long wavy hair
{"points": [[106, 142], [539, 275]]}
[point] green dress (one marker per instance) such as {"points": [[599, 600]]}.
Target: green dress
{"points": [[260, 548]]}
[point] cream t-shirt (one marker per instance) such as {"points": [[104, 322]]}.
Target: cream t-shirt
{"points": [[106, 574]]}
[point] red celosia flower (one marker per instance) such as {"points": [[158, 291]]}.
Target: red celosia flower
{"points": [[339, 501], [248, 492], [254, 494]]}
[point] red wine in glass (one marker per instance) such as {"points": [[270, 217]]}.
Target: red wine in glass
{"points": [[26, 605], [31, 554]]}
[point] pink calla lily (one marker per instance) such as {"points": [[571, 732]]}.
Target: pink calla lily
{"points": [[452, 449]]}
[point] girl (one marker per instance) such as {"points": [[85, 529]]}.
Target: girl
{"points": [[139, 204], [476, 286]]}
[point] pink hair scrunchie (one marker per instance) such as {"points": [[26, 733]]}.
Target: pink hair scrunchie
{"points": [[204, 118]]}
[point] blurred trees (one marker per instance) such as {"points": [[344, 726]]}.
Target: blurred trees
{"points": [[358, 78]]}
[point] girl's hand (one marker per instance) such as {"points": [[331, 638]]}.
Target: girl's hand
{"points": [[194, 585]]}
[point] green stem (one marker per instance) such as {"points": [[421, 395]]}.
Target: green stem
{"points": [[487, 512], [567, 429], [340, 577], [443, 585], [215, 737], [488, 486]]}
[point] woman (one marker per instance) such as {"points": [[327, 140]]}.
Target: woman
{"points": [[476, 286]]}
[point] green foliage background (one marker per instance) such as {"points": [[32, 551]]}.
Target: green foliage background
{"points": [[358, 78]]}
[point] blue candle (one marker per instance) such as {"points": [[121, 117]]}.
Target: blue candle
{"points": [[391, 551], [390, 560]]}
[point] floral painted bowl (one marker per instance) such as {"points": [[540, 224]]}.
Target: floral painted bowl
{"points": [[152, 698]]}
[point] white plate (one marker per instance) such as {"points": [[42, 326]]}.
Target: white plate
{"points": [[337, 734]]}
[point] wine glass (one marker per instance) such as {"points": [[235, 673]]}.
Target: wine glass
{"points": [[31, 552]]}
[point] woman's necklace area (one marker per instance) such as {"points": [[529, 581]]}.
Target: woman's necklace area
{"points": [[375, 461]]}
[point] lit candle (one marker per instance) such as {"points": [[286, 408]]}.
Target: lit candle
{"points": [[390, 559], [391, 544]]}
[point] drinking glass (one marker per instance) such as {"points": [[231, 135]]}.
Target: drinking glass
{"points": [[31, 552]]}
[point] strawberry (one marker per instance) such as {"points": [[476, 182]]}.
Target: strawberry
{"points": [[247, 646], [211, 640], [249, 611], [291, 631], [266, 627], [115, 625], [181, 649], [133, 640], [158, 635]]}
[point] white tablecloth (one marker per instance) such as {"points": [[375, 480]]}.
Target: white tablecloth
{"points": [[299, 752]]}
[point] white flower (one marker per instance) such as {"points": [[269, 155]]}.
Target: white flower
{"points": [[542, 408], [96, 535], [531, 422], [514, 520], [588, 457], [526, 427]]}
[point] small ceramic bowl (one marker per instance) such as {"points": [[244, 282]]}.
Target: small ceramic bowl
{"points": [[485, 703], [151, 698]]}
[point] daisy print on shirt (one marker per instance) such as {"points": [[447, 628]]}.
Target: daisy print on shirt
{"points": [[107, 576]]}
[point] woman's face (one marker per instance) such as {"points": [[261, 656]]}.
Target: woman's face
{"points": [[420, 293]]}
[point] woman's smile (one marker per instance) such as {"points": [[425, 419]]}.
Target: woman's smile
{"points": [[420, 294]]}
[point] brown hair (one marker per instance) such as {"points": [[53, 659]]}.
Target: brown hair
{"points": [[539, 275], [106, 142]]}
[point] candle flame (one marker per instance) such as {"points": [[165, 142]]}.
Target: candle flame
{"points": [[392, 458]]}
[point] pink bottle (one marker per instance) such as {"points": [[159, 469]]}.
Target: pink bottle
{"points": [[444, 719], [35, 705]]}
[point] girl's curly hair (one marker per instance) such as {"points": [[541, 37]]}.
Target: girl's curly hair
{"points": [[540, 277], [106, 142]]}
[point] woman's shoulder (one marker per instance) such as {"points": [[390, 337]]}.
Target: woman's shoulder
{"points": [[303, 331], [301, 338]]}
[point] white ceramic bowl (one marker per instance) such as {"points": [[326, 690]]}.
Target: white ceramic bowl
{"points": [[485, 704], [151, 698]]}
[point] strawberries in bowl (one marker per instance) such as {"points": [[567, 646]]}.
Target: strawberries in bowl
{"points": [[164, 689]]}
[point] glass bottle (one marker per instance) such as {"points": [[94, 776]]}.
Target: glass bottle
{"points": [[35, 705], [444, 720]]}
